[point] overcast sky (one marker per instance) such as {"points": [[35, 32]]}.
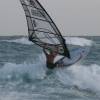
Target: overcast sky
{"points": [[73, 17]]}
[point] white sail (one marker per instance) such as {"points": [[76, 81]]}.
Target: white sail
{"points": [[41, 28]]}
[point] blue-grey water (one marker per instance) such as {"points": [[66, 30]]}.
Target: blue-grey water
{"points": [[24, 76]]}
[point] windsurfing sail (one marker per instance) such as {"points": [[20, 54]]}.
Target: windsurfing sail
{"points": [[41, 28]]}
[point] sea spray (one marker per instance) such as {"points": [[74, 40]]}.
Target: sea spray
{"points": [[34, 70], [23, 74], [69, 40], [84, 77]]}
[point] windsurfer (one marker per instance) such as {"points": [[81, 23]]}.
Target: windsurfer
{"points": [[50, 57]]}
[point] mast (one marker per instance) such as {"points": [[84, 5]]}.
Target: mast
{"points": [[66, 51]]}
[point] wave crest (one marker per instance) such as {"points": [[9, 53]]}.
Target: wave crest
{"points": [[84, 77], [69, 40]]}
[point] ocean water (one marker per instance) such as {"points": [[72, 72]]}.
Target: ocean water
{"points": [[24, 76]]}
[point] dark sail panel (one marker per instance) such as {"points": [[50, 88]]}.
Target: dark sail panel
{"points": [[41, 28]]}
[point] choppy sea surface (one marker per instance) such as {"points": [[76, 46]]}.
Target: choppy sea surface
{"points": [[24, 76]]}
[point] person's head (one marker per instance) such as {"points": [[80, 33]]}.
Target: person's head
{"points": [[55, 53]]}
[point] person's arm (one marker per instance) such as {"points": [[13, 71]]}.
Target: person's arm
{"points": [[59, 63]]}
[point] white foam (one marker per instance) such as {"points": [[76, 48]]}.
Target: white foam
{"points": [[79, 41], [21, 40], [35, 70], [84, 77], [69, 40]]}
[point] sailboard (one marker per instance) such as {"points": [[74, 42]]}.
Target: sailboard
{"points": [[41, 28], [77, 55], [43, 32]]}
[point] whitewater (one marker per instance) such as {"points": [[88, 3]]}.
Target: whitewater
{"points": [[24, 76]]}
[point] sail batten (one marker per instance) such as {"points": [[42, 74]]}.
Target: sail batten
{"points": [[41, 27], [38, 19]]}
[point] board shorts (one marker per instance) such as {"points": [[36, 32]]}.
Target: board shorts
{"points": [[51, 65]]}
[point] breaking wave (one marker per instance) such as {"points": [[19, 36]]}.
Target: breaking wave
{"points": [[69, 40], [22, 40], [79, 41], [33, 70], [81, 76]]}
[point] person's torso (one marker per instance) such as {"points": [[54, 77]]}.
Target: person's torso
{"points": [[50, 58]]}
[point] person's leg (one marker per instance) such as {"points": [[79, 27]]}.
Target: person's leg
{"points": [[51, 66]]}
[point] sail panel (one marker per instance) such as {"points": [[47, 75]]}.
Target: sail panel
{"points": [[47, 37], [42, 30]]}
